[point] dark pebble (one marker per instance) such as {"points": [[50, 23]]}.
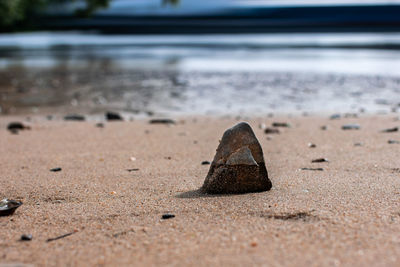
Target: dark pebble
{"points": [[351, 127], [27, 237], [391, 130], [100, 125], [167, 216], [358, 144], [8, 207], [312, 169], [271, 131], [311, 145], [280, 124], [14, 127], [335, 116], [393, 142], [351, 115], [113, 116], [319, 160], [162, 121], [55, 169], [132, 170], [324, 127], [74, 117], [205, 162]]}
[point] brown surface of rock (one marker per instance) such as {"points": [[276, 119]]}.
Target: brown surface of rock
{"points": [[238, 165]]}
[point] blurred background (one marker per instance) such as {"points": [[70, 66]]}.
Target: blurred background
{"points": [[186, 57]]}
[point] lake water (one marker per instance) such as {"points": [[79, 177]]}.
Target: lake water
{"points": [[201, 74]]}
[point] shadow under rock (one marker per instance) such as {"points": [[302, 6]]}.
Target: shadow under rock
{"points": [[199, 194]]}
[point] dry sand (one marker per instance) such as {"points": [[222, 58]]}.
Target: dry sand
{"points": [[346, 215]]}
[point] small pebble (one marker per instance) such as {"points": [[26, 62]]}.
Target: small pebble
{"points": [[335, 116], [253, 244], [100, 125], [205, 162], [280, 124], [113, 116], [132, 170], [351, 127], [391, 130], [167, 216], [358, 144], [351, 115], [312, 169], [55, 169], [319, 160], [26, 237], [271, 131], [14, 127], [162, 121], [324, 127], [74, 117], [393, 142], [311, 145]]}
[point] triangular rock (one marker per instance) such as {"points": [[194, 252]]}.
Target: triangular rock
{"points": [[238, 165]]}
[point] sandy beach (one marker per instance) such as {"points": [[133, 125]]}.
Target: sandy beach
{"points": [[346, 215]]}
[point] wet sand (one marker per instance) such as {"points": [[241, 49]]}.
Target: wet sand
{"points": [[346, 215]]}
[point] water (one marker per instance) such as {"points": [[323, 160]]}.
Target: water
{"points": [[202, 74]]}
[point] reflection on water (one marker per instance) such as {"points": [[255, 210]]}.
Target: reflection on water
{"points": [[199, 75]]}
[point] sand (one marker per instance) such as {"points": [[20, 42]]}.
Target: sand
{"points": [[346, 215]]}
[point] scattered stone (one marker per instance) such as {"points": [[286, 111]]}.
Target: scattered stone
{"points": [[162, 121], [132, 170], [393, 142], [15, 127], [58, 169], [113, 116], [312, 169], [335, 116], [205, 162], [74, 117], [351, 127], [133, 159], [262, 126], [167, 216], [351, 115], [100, 125], [311, 145], [238, 166], [8, 207], [391, 130], [281, 124], [26, 237], [298, 216], [319, 160], [358, 144], [324, 127], [61, 236], [271, 131]]}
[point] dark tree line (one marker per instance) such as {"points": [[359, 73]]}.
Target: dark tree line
{"points": [[20, 14]]}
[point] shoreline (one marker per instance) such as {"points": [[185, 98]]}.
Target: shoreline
{"points": [[348, 214]]}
